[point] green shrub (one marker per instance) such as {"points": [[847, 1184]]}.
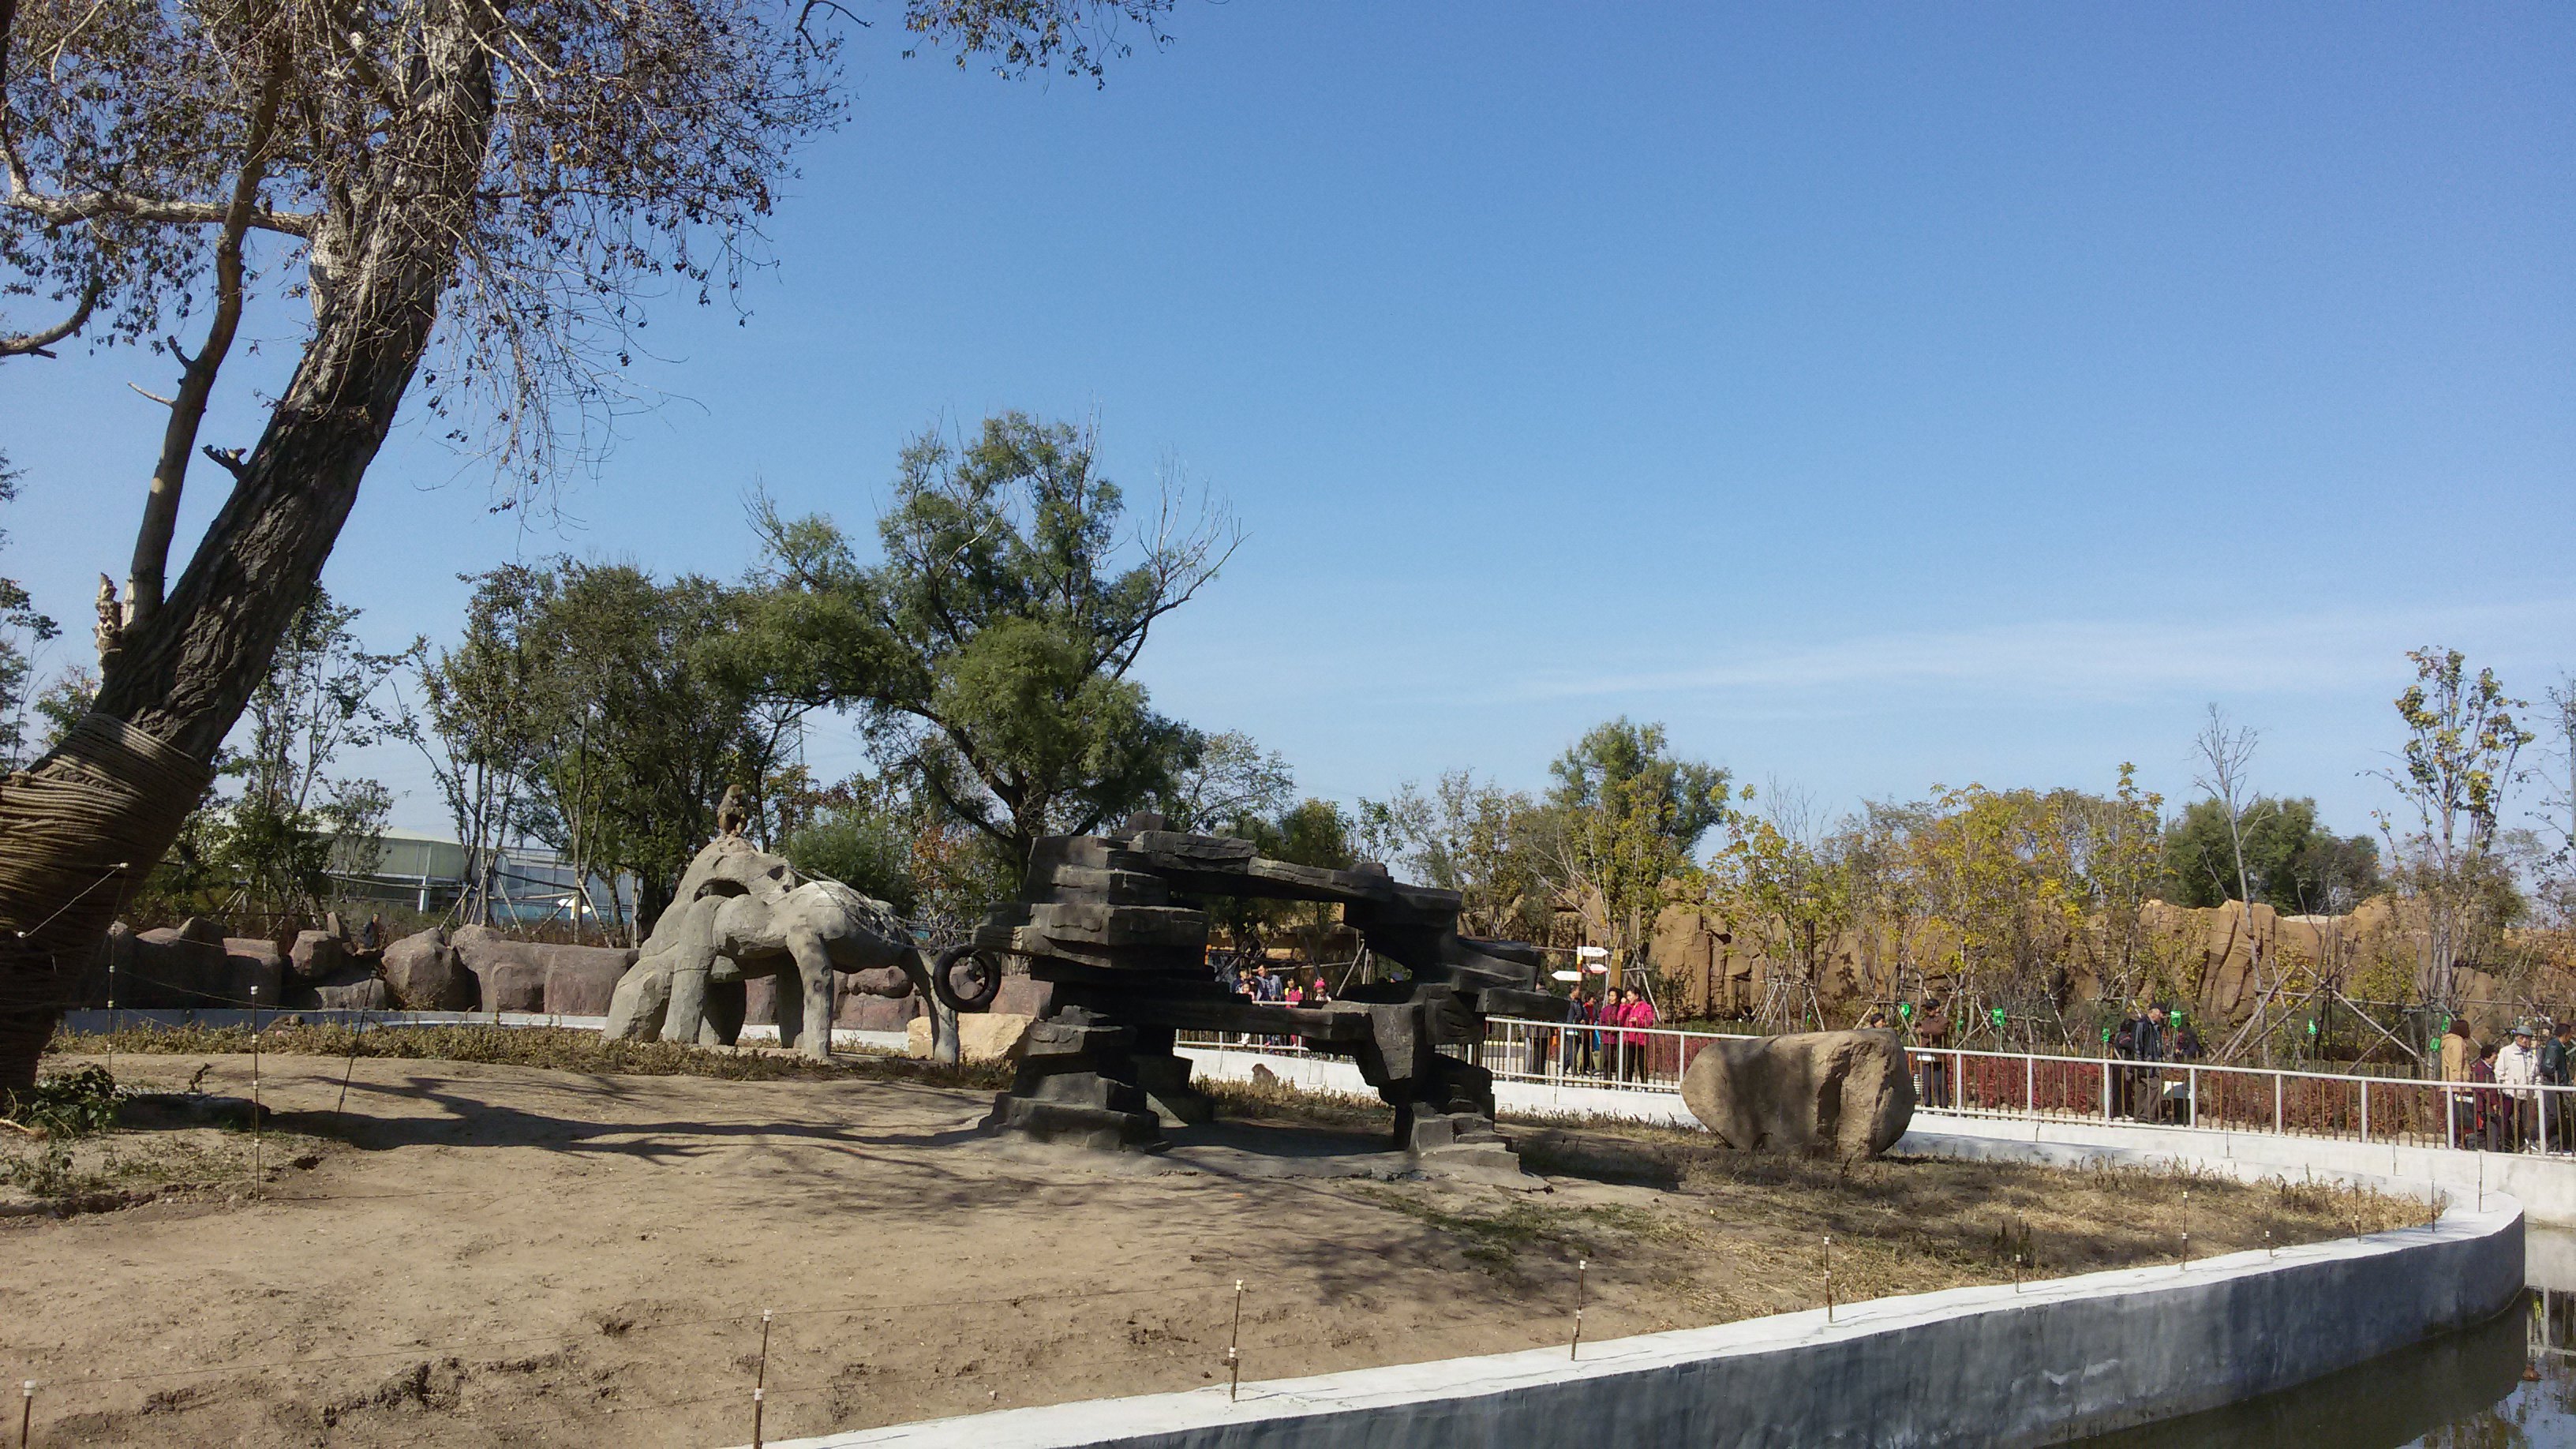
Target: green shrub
{"points": [[75, 1104]]}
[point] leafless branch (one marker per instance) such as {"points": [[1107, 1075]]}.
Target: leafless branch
{"points": [[130, 206], [33, 344]]}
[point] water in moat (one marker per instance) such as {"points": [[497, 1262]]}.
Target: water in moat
{"points": [[2508, 1382]]}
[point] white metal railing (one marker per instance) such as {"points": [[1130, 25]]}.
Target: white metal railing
{"points": [[2403, 1110]]}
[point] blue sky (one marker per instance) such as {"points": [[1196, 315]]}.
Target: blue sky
{"points": [[1877, 395]]}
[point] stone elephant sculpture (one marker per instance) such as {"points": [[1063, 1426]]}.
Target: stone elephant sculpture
{"points": [[742, 914]]}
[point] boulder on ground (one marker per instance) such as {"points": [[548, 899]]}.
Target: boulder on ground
{"points": [[581, 979], [160, 968], [1844, 1094], [982, 1036], [248, 979], [513, 986], [861, 1012], [1024, 994], [201, 929], [251, 962], [535, 976], [352, 988], [317, 956], [425, 974]]}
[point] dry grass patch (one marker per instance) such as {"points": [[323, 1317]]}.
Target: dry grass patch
{"points": [[163, 1157], [1723, 1235], [565, 1049]]}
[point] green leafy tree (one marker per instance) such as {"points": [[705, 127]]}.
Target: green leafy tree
{"points": [[1493, 846], [22, 628], [2291, 862], [862, 834], [469, 201], [646, 716], [2001, 880], [989, 653], [1626, 816], [482, 723], [2457, 765], [1799, 888]]}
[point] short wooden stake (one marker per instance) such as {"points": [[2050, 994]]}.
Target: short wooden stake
{"points": [[341, 1107], [26, 1410], [256, 1183], [1233, 1342], [1829, 1280], [760, 1379], [1581, 1267]]}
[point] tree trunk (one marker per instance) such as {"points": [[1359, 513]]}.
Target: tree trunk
{"points": [[652, 898], [81, 829]]}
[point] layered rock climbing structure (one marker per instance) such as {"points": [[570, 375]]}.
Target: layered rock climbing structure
{"points": [[1113, 923]]}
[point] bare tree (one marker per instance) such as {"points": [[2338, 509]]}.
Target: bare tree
{"points": [[2224, 753], [477, 196]]}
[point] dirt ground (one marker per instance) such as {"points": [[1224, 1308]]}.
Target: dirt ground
{"points": [[489, 1253]]}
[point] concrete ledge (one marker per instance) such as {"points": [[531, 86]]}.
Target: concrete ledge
{"points": [[2545, 1186]]}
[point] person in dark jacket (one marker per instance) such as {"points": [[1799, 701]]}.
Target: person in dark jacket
{"points": [[2558, 1069], [2141, 1038], [2491, 1113]]}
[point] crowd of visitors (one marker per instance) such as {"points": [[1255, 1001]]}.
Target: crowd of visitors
{"points": [[1608, 1033], [2499, 1108]]}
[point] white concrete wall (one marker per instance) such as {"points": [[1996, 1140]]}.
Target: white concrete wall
{"points": [[1984, 1366]]}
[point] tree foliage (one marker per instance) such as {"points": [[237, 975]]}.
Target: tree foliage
{"points": [[2294, 863], [2456, 765], [480, 198], [988, 652], [483, 722], [1626, 816], [22, 629], [1491, 845]]}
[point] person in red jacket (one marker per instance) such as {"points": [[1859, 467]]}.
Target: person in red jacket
{"points": [[1635, 1011]]}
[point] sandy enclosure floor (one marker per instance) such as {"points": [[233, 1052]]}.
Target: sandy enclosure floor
{"points": [[519, 1256]]}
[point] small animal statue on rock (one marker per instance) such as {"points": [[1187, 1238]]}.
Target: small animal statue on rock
{"points": [[741, 913]]}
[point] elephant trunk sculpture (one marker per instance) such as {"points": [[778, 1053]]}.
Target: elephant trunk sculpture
{"points": [[742, 913]]}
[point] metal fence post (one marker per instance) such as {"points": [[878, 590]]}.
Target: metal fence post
{"points": [[2365, 1109], [2191, 1094], [2106, 1090], [2030, 1085], [2277, 1080]]}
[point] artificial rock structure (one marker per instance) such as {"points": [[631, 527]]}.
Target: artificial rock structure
{"points": [[1108, 920]]}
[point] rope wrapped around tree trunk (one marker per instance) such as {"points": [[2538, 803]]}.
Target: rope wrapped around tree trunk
{"points": [[77, 833]]}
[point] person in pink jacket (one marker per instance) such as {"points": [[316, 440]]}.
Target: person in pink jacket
{"points": [[1634, 1010]]}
